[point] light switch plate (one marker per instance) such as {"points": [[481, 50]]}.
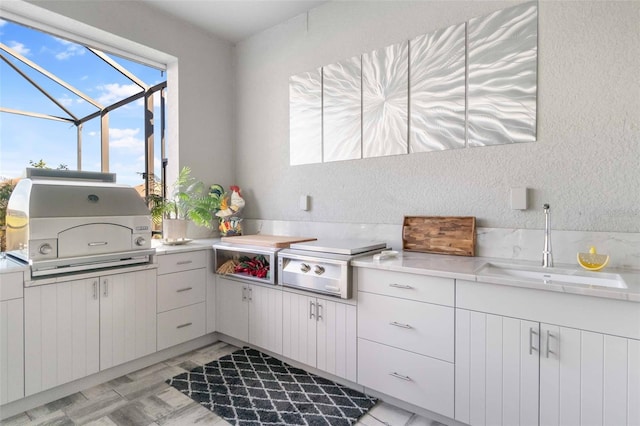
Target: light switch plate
{"points": [[303, 203], [519, 198]]}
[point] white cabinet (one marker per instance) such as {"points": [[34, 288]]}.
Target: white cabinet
{"points": [[250, 312], [320, 333], [210, 296], [62, 333], [182, 290], [496, 369], [517, 372], [232, 309], [127, 317], [406, 337], [588, 378], [265, 317], [11, 337], [76, 328]]}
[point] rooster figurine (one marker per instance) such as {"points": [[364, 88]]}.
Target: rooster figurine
{"points": [[231, 206]]}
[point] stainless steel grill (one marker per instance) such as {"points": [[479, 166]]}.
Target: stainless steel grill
{"points": [[323, 266], [66, 221]]}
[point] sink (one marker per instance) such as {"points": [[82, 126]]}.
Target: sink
{"points": [[551, 275]]}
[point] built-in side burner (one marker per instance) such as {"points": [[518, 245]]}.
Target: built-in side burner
{"points": [[323, 266]]}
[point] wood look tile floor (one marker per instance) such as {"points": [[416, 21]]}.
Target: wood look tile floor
{"points": [[142, 398]]}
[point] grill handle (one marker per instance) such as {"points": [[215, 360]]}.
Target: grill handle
{"points": [[97, 243]]}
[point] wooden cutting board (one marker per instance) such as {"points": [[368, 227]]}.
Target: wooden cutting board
{"points": [[440, 234], [266, 240]]}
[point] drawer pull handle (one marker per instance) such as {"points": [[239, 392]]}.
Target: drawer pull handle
{"points": [[400, 376], [184, 262], [399, 324], [184, 325], [404, 286], [184, 289]]}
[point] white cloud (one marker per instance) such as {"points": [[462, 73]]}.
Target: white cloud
{"points": [[70, 49], [93, 133], [2, 22], [65, 100], [20, 48], [114, 92], [126, 139]]}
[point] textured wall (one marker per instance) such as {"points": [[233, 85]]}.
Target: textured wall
{"points": [[585, 164]]}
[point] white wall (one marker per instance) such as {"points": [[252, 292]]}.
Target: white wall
{"points": [[585, 164], [204, 130]]}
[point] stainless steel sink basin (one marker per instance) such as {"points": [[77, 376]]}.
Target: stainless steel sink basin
{"points": [[551, 275]]}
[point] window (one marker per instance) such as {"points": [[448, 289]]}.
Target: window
{"points": [[73, 106]]}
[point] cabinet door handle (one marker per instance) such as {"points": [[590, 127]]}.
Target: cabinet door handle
{"points": [[311, 309], [95, 289], [250, 293], [532, 333], [399, 324], [184, 325], [404, 286], [318, 311], [184, 262], [400, 376], [105, 290], [547, 350], [244, 294], [184, 289]]}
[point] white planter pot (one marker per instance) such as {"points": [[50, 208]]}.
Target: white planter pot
{"points": [[174, 229]]}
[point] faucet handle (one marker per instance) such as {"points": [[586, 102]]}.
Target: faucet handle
{"points": [[545, 206]]}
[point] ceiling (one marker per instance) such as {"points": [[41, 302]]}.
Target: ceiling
{"points": [[234, 20]]}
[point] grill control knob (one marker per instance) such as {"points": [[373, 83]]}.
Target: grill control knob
{"points": [[305, 268], [319, 270], [140, 241], [45, 249]]}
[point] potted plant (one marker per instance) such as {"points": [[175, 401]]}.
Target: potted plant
{"points": [[189, 200]]}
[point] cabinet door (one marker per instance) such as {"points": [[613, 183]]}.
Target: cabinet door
{"points": [[265, 317], [588, 378], [61, 333], [496, 370], [127, 317], [299, 328], [11, 350], [232, 309], [337, 339], [211, 293]]}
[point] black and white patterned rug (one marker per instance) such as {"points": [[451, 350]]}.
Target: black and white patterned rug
{"points": [[249, 388]]}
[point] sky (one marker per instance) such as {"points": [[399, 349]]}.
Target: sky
{"points": [[24, 139]]}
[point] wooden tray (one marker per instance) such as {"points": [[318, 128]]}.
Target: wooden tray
{"points": [[440, 234], [266, 240]]}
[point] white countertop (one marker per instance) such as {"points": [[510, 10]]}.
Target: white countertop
{"points": [[466, 268], [194, 245], [8, 265]]}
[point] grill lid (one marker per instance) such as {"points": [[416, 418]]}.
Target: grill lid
{"points": [[341, 246]]}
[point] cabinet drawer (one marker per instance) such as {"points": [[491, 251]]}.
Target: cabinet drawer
{"points": [[416, 379], [180, 325], [181, 289], [408, 286], [11, 286], [414, 326], [177, 262]]}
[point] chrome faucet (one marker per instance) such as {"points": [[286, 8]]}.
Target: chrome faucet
{"points": [[547, 255]]}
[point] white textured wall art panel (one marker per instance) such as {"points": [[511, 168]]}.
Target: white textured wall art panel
{"points": [[502, 76], [385, 103], [305, 118], [342, 107], [437, 90]]}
